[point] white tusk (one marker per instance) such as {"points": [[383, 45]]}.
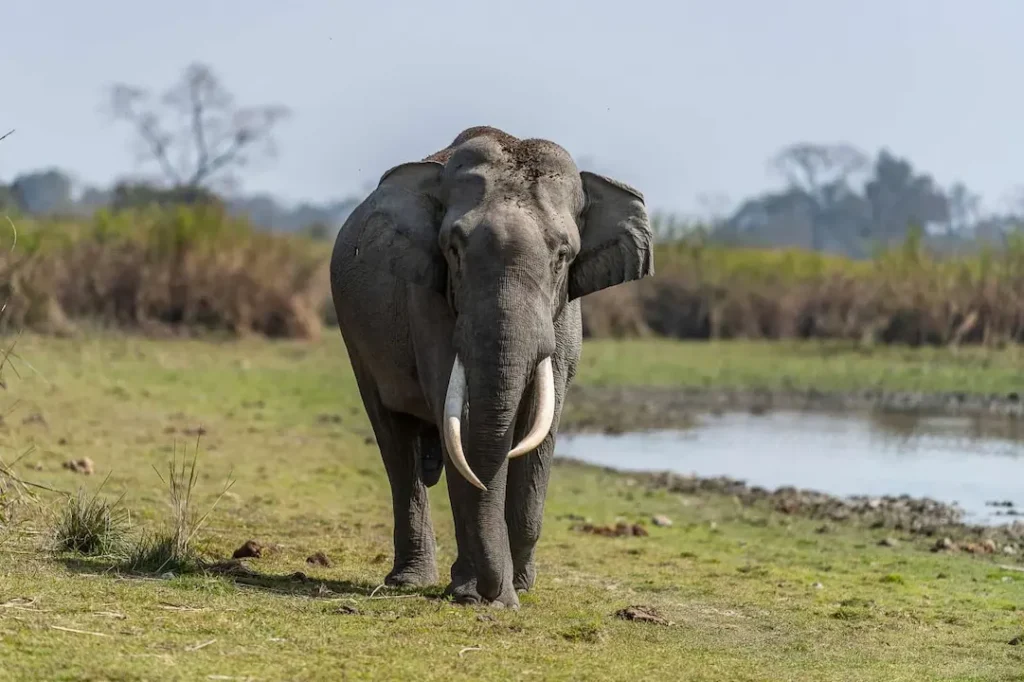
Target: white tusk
{"points": [[454, 400], [545, 410]]}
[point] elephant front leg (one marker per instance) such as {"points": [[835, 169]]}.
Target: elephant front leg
{"points": [[403, 440], [524, 509], [528, 484], [482, 572]]}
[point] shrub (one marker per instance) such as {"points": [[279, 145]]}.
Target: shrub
{"points": [[91, 525], [180, 269]]}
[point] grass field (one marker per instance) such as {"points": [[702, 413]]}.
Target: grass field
{"points": [[746, 594], [826, 366]]}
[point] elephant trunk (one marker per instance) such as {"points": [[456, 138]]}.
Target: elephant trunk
{"points": [[455, 402]]}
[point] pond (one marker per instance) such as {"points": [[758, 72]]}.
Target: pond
{"points": [[962, 460]]}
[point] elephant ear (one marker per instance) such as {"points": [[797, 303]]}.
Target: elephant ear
{"points": [[615, 237], [401, 226]]}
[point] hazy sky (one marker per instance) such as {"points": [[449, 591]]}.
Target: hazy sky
{"points": [[677, 97]]}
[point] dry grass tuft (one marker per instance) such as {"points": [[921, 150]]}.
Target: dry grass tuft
{"points": [[175, 549], [92, 526]]}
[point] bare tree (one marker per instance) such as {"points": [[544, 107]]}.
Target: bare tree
{"points": [[821, 172], [813, 167], [201, 138]]}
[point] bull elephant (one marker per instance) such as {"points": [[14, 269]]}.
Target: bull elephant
{"points": [[456, 284]]}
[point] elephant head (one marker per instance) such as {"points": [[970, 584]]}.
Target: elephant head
{"points": [[509, 231]]}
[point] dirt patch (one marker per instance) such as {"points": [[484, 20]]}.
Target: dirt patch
{"points": [[34, 418], [346, 610], [642, 614], [621, 529], [233, 568]]}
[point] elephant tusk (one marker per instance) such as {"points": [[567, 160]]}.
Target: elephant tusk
{"points": [[454, 401], [545, 414]]}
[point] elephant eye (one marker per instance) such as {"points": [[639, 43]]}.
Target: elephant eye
{"points": [[563, 255]]}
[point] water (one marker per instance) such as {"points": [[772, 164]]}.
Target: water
{"points": [[953, 460]]}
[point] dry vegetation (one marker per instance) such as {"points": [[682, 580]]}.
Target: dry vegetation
{"points": [[182, 269], [903, 295], [192, 269]]}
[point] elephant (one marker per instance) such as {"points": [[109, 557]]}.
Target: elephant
{"points": [[457, 284]]}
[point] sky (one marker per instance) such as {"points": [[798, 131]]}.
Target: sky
{"points": [[681, 99]]}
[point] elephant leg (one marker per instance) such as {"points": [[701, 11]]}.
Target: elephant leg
{"points": [[528, 486], [463, 584], [524, 511], [403, 440]]}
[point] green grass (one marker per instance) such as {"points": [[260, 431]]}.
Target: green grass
{"points": [[826, 366], [90, 524], [751, 595]]}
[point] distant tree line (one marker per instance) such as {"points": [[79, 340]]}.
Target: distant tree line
{"points": [[836, 198]]}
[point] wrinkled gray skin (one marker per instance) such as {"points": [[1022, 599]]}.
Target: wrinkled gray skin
{"points": [[483, 249]]}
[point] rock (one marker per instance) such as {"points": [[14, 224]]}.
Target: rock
{"points": [[1009, 550], [889, 542], [983, 547], [80, 466], [299, 576], [251, 549], [944, 545], [818, 586], [661, 521], [1017, 641], [318, 559]]}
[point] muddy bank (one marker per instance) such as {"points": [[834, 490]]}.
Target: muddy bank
{"points": [[938, 525], [621, 409]]}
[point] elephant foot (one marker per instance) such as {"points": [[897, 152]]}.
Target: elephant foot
{"points": [[524, 579], [412, 575], [464, 591]]}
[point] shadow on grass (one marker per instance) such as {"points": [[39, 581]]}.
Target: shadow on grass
{"points": [[297, 584]]}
